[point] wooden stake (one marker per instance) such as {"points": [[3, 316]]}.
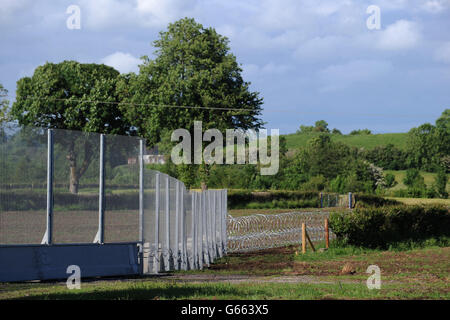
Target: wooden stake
{"points": [[327, 235], [310, 242], [303, 238]]}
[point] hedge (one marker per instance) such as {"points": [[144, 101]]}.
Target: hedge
{"points": [[379, 227], [240, 199], [370, 200]]}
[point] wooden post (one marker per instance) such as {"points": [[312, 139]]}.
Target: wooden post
{"points": [[303, 238], [327, 235], [310, 242]]}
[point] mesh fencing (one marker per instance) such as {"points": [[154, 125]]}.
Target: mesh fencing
{"points": [[257, 232], [329, 199], [183, 229], [96, 195], [23, 165]]}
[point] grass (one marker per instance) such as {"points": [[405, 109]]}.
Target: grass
{"points": [[162, 290], [295, 141], [410, 272], [420, 201]]}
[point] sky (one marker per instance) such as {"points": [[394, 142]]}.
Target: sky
{"points": [[309, 59]]}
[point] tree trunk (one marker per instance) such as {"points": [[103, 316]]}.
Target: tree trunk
{"points": [[74, 180], [76, 173]]}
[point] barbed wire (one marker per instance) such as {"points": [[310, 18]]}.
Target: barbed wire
{"points": [[260, 231]]}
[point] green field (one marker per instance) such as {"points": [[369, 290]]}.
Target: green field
{"points": [[295, 141]]}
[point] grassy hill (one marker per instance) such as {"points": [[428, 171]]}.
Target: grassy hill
{"points": [[295, 140], [429, 179]]}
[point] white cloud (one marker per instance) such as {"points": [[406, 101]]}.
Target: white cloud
{"points": [[162, 12], [123, 62], [435, 6], [402, 34], [442, 54], [341, 76]]}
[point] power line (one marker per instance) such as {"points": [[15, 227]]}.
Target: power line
{"points": [[346, 114]]}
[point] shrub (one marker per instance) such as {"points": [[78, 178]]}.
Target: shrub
{"points": [[381, 227], [413, 178], [389, 180], [369, 200]]}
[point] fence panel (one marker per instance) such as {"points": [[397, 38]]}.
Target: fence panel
{"points": [[23, 186], [121, 222], [76, 186]]}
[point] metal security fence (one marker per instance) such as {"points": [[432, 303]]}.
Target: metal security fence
{"points": [[328, 199], [61, 188], [256, 232], [182, 229]]}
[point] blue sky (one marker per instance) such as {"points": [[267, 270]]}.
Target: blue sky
{"points": [[309, 59]]}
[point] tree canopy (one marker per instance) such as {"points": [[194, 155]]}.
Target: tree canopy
{"points": [[194, 68], [62, 96], [75, 96]]}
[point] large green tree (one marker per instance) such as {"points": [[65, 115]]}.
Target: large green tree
{"points": [[192, 67], [66, 96]]}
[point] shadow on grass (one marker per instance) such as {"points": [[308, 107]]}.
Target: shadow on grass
{"points": [[141, 293]]}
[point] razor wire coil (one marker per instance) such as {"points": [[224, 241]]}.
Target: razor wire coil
{"points": [[260, 231]]}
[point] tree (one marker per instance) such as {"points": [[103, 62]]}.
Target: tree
{"points": [[426, 146], [321, 126], [336, 131], [444, 120], [413, 178], [441, 183], [390, 180], [360, 131], [193, 77], [193, 67], [55, 97], [4, 104]]}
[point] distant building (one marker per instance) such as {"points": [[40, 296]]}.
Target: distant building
{"points": [[151, 156]]}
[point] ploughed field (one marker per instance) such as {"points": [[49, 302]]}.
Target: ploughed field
{"points": [[28, 227]]}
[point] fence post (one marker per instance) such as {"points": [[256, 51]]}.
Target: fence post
{"points": [[303, 238], [225, 219], [194, 230], [327, 235], [141, 191], [350, 200], [157, 196], [183, 228], [177, 255], [166, 250], [48, 236], [100, 237]]}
